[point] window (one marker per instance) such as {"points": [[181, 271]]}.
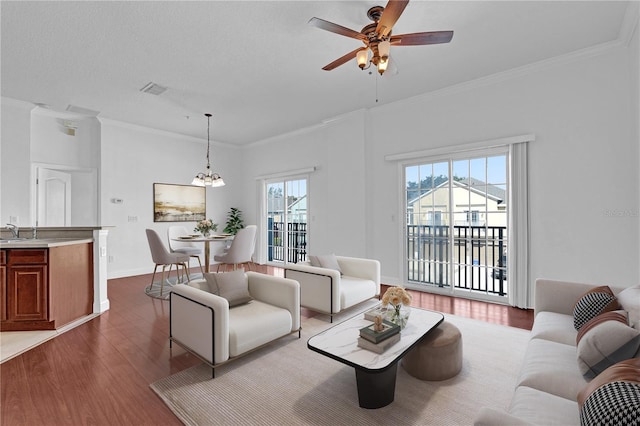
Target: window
{"points": [[286, 218], [456, 223]]}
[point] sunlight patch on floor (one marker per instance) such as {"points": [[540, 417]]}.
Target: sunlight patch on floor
{"points": [[14, 343]]}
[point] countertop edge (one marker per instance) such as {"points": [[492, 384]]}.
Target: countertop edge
{"points": [[44, 243]]}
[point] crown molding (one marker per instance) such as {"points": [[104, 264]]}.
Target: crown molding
{"points": [[17, 103], [629, 23]]}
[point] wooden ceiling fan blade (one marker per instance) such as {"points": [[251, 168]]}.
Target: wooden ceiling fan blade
{"points": [[417, 39], [342, 60], [335, 28], [390, 15]]}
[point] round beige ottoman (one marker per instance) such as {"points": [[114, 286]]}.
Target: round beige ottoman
{"points": [[438, 356]]}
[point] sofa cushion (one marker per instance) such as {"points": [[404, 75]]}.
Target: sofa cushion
{"points": [[253, 325], [627, 371], [616, 403], [542, 408], [328, 261], [233, 286], [200, 285], [551, 367], [607, 340], [593, 303], [355, 290], [629, 299], [620, 316], [555, 327]]}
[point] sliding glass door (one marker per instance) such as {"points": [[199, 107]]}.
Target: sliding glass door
{"points": [[456, 224], [286, 217]]}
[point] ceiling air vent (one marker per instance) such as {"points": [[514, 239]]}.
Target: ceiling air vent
{"points": [[153, 88]]}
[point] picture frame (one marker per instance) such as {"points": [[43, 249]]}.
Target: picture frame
{"points": [[179, 203]]}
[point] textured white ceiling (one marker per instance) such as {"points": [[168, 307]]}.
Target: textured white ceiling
{"points": [[256, 66]]}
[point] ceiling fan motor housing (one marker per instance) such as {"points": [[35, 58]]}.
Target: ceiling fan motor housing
{"points": [[375, 13]]}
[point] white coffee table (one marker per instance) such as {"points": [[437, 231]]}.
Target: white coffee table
{"points": [[375, 373]]}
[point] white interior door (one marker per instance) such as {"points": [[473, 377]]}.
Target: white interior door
{"points": [[53, 197]]}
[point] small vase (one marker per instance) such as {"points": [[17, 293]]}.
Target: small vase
{"points": [[398, 314], [206, 234]]}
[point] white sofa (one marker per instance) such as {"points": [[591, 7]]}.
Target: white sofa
{"points": [[328, 291], [550, 379], [203, 323]]}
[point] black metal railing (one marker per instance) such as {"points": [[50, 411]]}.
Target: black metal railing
{"points": [[296, 239], [479, 260]]}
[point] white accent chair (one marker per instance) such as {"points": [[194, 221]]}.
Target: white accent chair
{"points": [[241, 250], [184, 247], [162, 256], [202, 322], [326, 291]]}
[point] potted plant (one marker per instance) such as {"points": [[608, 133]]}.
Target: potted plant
{"points": [[234, 221]]}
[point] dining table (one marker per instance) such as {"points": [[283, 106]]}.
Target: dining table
{"points": [[194, 238]]}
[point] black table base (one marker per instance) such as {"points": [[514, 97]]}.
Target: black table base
{"points": [[376, 389]]}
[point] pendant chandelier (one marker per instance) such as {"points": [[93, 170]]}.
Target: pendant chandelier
{"points": [[208, 178]]}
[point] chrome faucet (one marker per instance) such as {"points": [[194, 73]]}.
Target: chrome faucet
{"points": [[14, 229]]}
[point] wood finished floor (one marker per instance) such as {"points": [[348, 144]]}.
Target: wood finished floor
{"points": [[99, 372]]}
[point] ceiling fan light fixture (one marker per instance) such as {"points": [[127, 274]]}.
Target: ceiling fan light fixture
{"points": [[383, 50], [363, 58], [382, 66]]}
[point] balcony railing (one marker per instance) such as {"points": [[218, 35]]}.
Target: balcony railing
{"points": [[296, 239], [479, 260]]}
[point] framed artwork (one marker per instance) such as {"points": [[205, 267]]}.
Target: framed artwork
{"points": [[178, 203]]}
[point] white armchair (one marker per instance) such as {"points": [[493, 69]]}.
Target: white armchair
{"points": [[328, 291], [203, 324]]}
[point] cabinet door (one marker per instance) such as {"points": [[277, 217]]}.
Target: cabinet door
{"points": [[3, 285], [3, 292], [27, 293]]}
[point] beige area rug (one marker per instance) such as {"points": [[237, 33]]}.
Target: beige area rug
{"points": [[288, 384]]}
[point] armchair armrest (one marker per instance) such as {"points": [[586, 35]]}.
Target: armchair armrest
{"points": [[361, 268], [319, 287], [277, 291], [200, 322]]}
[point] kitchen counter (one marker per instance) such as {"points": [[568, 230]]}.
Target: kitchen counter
{"points": [[45, 283], [41, 242]]}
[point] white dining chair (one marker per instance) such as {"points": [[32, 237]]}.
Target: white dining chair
{"points": [[241, 250], [184, 247], [162, 256]]}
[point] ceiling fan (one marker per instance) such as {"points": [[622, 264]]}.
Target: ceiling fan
{"points": [[377, 37]]}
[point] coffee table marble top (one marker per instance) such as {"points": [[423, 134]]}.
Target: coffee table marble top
{"points": [[340, 342]]}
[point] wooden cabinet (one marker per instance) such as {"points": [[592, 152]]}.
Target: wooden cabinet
{"points": [[27, 285], [3, 285], [46, 288]]}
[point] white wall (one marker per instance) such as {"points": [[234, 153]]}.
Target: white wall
{"points": [[583, 165], [133, 159], [337, 187], [15, 162]]}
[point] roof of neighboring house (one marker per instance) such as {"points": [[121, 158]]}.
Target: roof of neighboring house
{"points": [[276, 204], [493, 192]]}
